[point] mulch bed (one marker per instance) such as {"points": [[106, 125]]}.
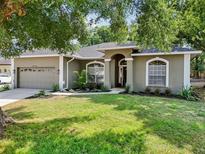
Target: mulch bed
{"points": [[159, 95]]}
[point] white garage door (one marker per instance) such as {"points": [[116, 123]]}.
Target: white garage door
{"points": [[39, 77]]}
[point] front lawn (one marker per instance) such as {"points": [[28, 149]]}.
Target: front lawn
{"points": [[105, 124]]}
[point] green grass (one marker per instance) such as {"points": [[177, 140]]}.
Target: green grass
{"points": [[109, 124]]}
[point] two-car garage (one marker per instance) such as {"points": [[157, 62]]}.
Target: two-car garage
{"points": [[36, 77], [37, 73]]}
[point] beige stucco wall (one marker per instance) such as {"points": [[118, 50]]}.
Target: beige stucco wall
{"points": [[84, 62], [176, 68], [5, 67], [110, 72], [37, 62], [110, 53], [73, 66], [176, 71]]}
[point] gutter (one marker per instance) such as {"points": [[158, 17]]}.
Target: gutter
{"points": [[68, 62], [166, 53], [56, 55], [84, 58]]}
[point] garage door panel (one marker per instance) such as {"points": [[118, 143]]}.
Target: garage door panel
{"points": [[41, 77]]}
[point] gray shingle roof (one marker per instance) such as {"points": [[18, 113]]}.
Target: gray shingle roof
{"points": [[39, 52], [5, 61], [93, 51], [174, 49], [85, 52], [88, 52]]}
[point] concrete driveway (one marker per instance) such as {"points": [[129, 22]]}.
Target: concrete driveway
{"points": [[12, 96]]}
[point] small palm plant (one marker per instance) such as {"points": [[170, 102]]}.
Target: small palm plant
{"points": [[189, 94], [80, 81]]}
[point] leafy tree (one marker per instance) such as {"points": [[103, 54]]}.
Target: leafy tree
{"points": [[47, 24], [162, 23], [100, 35], [193, 24], [9, 7], [28, 24], [54, 24], [116, 11], [198, 65], [133, 32], [157, 24]]}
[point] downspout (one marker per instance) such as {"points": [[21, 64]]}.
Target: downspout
{"points": [[68, 62]]}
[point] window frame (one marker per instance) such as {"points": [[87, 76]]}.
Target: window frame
{"points": [[167, 71], [95, 62]]}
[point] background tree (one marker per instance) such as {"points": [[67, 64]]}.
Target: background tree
{"points": [[100, 35], [46, 24], [162, 23], [193, 24], [158, 24], [198, 65], [9, 7], [55, 24]]}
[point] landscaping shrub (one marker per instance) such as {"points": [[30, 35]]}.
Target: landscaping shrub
{"points": [[99, 85], [5, 87], [104, 88], [147, 90], [80, 82], [41, 93], [55, 87], [127, 89], [91, 86], [157, 91], [189, 94], [167, 92]]}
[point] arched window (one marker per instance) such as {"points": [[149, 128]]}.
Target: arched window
{"points": [[157, 72], [95, 72], [122, 62]]}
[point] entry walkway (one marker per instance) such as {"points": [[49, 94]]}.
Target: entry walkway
{"points": [[113, 91]]}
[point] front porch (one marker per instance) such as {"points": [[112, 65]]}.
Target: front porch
{"points": [[114, 70], [119, 69]]}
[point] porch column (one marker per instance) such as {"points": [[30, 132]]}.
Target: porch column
{"points": [[61, 82], [12, 74], [107, 82], [130, 73], [187, 64]]}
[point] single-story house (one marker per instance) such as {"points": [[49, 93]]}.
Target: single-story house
{"points": [[113, 64], [5, 66]]}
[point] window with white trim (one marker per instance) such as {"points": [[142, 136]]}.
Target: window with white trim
{"points": [[157, 73], [95, 73]]}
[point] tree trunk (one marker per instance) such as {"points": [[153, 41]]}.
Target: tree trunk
{"points": [[4, 121]]}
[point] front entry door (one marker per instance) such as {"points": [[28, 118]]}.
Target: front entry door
{"points": [[123, 75]]}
